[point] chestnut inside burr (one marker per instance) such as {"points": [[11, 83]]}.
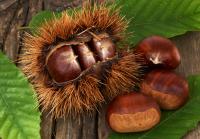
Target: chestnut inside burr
{"points": [[68, 60]]}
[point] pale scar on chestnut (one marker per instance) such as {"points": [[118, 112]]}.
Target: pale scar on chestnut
{"points": [[137, 122]]}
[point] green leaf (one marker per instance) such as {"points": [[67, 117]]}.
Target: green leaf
{"points": [[174, 124], [166, 18], [41, 18], [19, 116]]}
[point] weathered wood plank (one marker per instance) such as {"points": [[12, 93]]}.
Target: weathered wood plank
{"points": [[189, 47], [5, 24], [89, 127], [5, 4], [69, 128], [47, 126], [103, 128], [12, 42]]}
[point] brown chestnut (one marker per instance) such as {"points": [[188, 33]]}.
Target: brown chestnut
{"points": [[167, 88], [86, 57], [62, 64], [133, 112], [103, 46], [159, 51], [68, 60]]}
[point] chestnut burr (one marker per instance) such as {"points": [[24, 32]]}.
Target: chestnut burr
{"points": [[73, 61]]}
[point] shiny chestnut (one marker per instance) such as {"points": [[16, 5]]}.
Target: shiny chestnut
{"points": [[159, 51], [169, 89], [133, 112], [68, 60], [62, 64], [103, 47]]}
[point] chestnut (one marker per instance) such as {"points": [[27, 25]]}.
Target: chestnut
{"points": [[86, 57], [62, 64], [67, 61], [133, 112], [104, 47], [160, 51], [169, 89]]}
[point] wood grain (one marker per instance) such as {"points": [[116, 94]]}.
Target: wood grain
{"points": [[17, 13]]}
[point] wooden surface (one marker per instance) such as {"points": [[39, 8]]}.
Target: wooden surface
{"points": [[17, 13]]}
